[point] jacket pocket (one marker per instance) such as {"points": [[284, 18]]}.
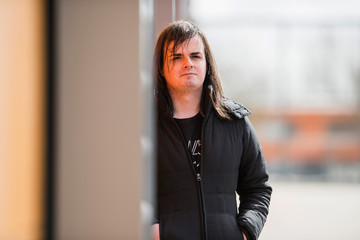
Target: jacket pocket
{"points": [[223, 226]]}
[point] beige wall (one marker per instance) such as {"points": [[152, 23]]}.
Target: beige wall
{"points": [[21, 119], [99, 165]]}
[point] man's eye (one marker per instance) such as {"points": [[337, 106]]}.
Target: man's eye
{"points": [[175, 58]]}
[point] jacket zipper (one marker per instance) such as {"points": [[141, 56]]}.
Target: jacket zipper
{"points": [[202, 213], [198, 179], [201, 196]]}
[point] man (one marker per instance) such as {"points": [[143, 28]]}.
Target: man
{"points": [[207, 149]]}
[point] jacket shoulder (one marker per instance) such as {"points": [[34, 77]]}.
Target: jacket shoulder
{"points": [[237, 110]]}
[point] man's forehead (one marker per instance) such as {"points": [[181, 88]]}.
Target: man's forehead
{"points": [[193, 44]]}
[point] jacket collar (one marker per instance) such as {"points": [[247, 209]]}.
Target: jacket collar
{"points": [[237, 110]]}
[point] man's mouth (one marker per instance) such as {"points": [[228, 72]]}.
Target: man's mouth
{"points": [[188, 74]]}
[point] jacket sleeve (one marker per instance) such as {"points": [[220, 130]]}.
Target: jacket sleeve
{"points": [[253, 187]]}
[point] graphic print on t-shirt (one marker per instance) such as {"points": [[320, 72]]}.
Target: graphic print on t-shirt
{"points": [[191, 130], [195, 150], [195, 147]]}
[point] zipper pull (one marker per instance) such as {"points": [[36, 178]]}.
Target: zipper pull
{"points": [[198, 177]]}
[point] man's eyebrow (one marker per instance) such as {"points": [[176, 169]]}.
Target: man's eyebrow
{"points": [[196, 53], [175, 54]]}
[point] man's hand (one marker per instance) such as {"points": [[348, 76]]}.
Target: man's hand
{"points": [[244, 236], [155, 233]]}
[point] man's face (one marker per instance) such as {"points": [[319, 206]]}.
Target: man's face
{"points": [[184, 70]]}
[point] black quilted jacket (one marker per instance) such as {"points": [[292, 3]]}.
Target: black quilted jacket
{"points": [[203, 206]]}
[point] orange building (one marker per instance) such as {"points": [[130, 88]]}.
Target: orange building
{"points": [[312, 137]]}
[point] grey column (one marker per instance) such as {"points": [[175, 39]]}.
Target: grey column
{"points": [[102, 123]]}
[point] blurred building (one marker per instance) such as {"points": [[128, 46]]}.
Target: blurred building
{"points": [[296, 65]]}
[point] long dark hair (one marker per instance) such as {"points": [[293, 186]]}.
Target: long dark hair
{"points": [[180, 32]]}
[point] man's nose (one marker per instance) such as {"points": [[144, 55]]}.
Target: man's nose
{"points": [[187, 62]]}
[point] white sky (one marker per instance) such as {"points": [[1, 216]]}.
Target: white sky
{"points": [[277, 9]]}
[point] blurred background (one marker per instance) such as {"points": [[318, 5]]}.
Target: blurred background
{"points": [[76, 128], [296, 66]]}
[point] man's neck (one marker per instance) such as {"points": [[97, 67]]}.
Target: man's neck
{"points": [[186, 105]]}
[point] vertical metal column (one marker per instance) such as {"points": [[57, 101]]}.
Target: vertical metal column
{"points": [[146, 30]]}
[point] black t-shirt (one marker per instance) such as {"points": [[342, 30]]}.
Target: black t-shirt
{"points": [[191, 130]]}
